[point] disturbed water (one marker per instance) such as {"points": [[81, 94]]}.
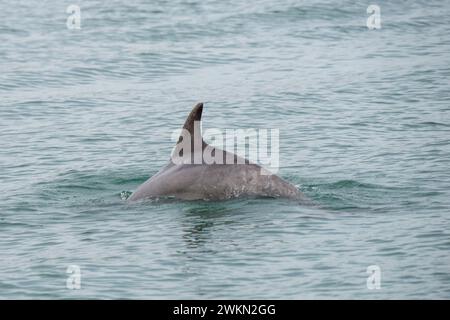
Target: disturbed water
{"points": [[87, 115]]}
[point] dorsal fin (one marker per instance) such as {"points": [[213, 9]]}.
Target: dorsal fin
{"points": [[193, 127], [192, 122]]}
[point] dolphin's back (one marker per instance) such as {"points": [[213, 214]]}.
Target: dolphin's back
{"points": [[230, 177], [214, 182]]}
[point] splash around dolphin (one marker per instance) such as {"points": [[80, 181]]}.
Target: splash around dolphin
{"points": [[189, 176]]}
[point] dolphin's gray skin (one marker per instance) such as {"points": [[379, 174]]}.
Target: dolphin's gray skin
{"points": [[212, 181]]}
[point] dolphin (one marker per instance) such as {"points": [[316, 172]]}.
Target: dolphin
{"points": [[188, 179]]}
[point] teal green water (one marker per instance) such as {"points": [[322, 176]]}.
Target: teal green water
{"points": [[364, 117]]}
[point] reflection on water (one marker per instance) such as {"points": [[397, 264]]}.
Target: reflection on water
{"points": [[201, 218]]}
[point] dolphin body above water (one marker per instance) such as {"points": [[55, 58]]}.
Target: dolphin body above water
{"points": [[193, 180]]}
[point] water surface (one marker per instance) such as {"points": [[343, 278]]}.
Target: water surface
{"points": [[87, 115]]}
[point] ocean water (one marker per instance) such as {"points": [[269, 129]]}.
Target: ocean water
{"points": [[87, 115]]}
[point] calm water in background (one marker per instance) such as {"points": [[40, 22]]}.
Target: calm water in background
{"points": [[364, 117]]}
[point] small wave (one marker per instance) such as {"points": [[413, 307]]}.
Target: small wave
{"points": [[351, 184], [349, 194], [428, 124], [76, 186], [124, 195]]}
